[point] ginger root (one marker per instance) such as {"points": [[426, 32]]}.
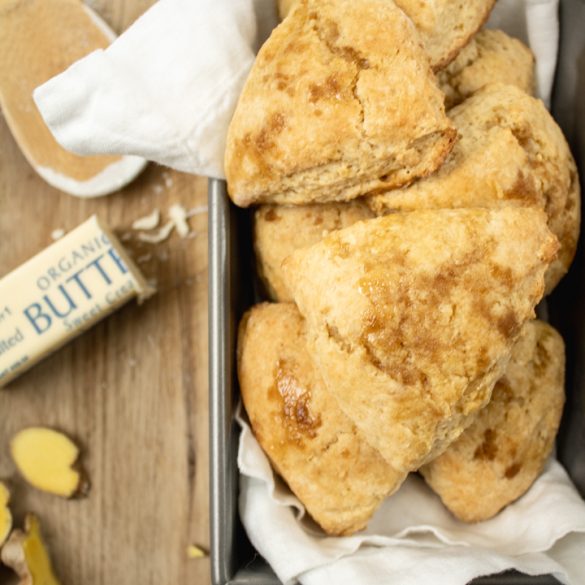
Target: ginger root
{"points": [[195, 552], [5, 515], [26, 554], [45, 458]]}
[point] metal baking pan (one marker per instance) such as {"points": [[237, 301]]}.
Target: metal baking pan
{"points": [[232, 291]]}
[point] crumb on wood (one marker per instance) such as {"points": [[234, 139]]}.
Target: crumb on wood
{"points": [[148, 222], [159, 235], [200, 209], [178, 215]]}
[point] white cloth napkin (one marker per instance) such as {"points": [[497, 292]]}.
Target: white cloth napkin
{"points": [[167, 88], [412, 539]]}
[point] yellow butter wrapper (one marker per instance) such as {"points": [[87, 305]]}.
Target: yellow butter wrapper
{"points": [[61, 292]]}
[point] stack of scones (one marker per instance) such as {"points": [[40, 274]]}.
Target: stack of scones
{"points": [[413, 204]]}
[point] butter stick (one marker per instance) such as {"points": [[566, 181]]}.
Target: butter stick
{"points": [[61, 292]]}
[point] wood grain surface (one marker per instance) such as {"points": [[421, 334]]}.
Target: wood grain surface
{"points": [[132, 390]]}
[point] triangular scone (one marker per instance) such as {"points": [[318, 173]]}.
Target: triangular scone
{"points": [[501, 454], [511, 152], [280, 230], [340, 479], [444, 25], [341, 101], [411, 317], [490, 57]]}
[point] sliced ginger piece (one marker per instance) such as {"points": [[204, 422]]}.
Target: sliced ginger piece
{"points": [[196, 552], [26, 554], [5, 515], [45, 458]]}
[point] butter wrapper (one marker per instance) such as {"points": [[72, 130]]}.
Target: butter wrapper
{"points": [[61, 292]]}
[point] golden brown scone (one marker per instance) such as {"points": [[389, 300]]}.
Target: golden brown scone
{"points": [[340, 479], [341, 101], [411, 317], [280, 230], [445, 26], [490, 57], [511, 152], [500, 455]]}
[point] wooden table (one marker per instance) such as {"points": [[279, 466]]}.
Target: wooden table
{"points": [[132, 390]]}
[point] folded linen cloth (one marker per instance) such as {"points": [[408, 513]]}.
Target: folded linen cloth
{"points": [[167, 88], [412, 538]]}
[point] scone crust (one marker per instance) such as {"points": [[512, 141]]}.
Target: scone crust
{"points": [[411, 317], [445, 26], [331, 112], [280, 230], [511, 152], [490, 57], [319, 452], [496, 460]]}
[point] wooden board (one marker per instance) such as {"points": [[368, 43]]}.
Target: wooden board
{"points": [[132, 390]]}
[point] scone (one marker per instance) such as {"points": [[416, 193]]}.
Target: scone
{"points": [[445, 26], [411, 317], [280, 230], [490, 57], [340, 479], [341, 101], [500, 455], [511, 152]]}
